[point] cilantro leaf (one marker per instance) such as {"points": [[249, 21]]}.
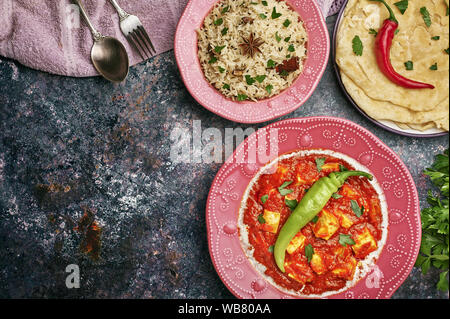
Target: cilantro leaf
{"points": [[249, 80], [242, 97], [356, 209], [282, 189], [435, 38], [260, 78], [373, 31], [309, 252], [264, 198], [320, 162], [275, 14], [262, 16], [224, 31], [271, 64], [261, 219], [426, 16], [402, 6], [434, 67], [357, 46], [286, 23], [277, 37], [270, 249], [219, 48], [345, 240], [269, 88], [218, 21], [336, 196], [291, 203], [409, 65]]}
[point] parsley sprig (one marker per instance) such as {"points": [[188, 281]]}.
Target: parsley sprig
{"points": [[434, 248]]}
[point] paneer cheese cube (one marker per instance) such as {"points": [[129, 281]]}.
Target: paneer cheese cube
{"points": [[272, 220], [299, 271], [318, 264], [297, 242], [365, 243], [344, 220], [330, 167], [349, 192], [326, 225], [346, 270]]}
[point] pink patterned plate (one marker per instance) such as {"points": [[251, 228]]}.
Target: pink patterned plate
{"points": [[402, 245], [318, 47]]}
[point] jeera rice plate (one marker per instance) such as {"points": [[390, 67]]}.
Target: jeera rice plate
{"points": [[419, 52], [252, 49]]}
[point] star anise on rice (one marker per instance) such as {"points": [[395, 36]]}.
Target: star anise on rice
{"points": [[251, 45]]}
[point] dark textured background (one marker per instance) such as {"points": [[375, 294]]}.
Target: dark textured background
{"points": [[69, 145]]}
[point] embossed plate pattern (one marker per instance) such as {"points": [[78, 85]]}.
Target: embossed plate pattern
{"points": [[185, 45], [404, 227]]}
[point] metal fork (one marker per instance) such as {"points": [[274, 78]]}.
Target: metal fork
{"points": [[135, 33]]}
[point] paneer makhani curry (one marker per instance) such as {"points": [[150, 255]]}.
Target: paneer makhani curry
{"points": [[327, 252]]}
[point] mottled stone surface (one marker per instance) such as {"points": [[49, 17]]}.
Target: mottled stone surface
{"points": [[69, 145]]}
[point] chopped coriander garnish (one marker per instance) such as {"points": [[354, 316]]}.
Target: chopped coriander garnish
{"points": [[226, 86], [221, 70], [249, 80], [409, 65], [291, 203], [219, 48], [286, 23], [447, 50], [373, 31], [213, 60], [291, 48], [261, 219], [342, 168], [277, 37], [315, 219], [288, 56], [345, 240], [218, 21], [287, 39], [275, 14], [402, 6], [270, 249], [356, 209], [262, 16], [357, 46], [269, 89], [284, 73], [434, 67], [282, 189], [336, 196], [426, 16], [260, 78], [224, 31], [309, 252], [264, 3], [242, 97], [271, 64], [225, 10], [319, 163], [435, 38], [264, 198]]}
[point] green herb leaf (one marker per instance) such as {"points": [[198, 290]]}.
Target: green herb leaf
{"points": [[434, 67], [260, 78], [219, 48], [249, 80], [286, 23], [409, 65], [356, 209], [309, 252], [282, 189], [264, 3], [291, 48], [221, 70], [225, 10], [373, 31], [357, 46], [287, 39], [291, 203], [277, 37], [224, 31], [270, 249], [261, 219], [426, 16], [345, 240], [271, 64], [264, 198], [242, 97], [447, 51], [269, 88], [336, 196], [435, 38], [319, 163], [218, 21], [213, 60], [262, 16], [315, 219], [342, 168], [275, 14], [284, 73], [402, 6], [226, 86]]}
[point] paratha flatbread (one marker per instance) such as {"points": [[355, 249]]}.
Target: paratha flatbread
{"points": [[376, 94]]}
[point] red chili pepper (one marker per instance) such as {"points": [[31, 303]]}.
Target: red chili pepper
{"points": [[383, 43]]}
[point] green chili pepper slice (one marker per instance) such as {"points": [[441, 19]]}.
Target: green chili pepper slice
{"points": [[310, 205]]}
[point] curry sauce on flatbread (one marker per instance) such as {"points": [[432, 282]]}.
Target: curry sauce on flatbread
{"points": [[421, 42]]}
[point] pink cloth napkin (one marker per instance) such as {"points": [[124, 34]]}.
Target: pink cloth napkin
{"points": [[50, 35]]}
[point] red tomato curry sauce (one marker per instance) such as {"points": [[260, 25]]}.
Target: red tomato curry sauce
{"points": [[341, 235]]}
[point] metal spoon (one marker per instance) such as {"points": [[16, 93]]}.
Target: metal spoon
{"points": [[108, 54]]}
